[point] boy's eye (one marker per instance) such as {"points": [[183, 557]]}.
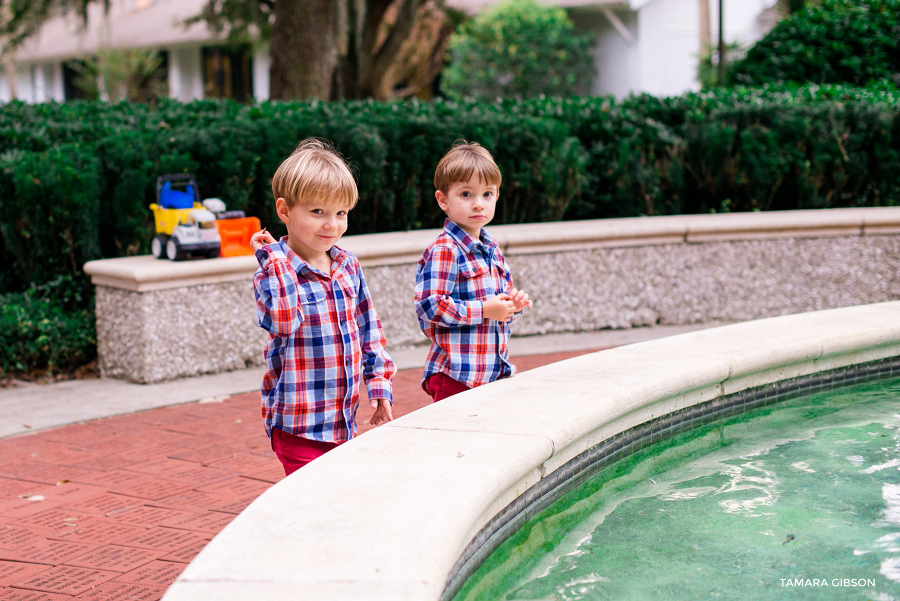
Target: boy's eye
{"points": [[488, 194], [342, 213], [318, 211], [465, 194]]}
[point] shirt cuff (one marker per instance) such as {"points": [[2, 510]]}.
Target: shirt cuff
{"points": [[269, 251], [380, 388], [476, 312]]}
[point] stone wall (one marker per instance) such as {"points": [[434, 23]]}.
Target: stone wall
{"points": [[158, 320], [163, 334]]}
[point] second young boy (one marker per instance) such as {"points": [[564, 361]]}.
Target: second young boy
{"points": [[465, 298]]}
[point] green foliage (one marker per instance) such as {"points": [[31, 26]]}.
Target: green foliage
{"points": [[518, 49], [831, 41], [117, 74], [49, 327], [708, 65], [69, 172], [49, 210]]}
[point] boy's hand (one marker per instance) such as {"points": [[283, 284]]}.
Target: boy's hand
{"points": [[520, 299], [382, 413], [260, 239], [500, 307]]}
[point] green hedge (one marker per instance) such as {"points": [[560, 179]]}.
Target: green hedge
{"points": [[829, 41], [49, 327], [76, 179]]}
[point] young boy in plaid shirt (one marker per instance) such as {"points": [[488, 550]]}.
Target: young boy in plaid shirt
{"points": [[312, 298], [465, 299]]}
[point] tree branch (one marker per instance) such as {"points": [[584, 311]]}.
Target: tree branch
{"points": [[381, 62]]}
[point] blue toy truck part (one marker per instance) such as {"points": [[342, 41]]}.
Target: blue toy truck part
{"points": [[177, 191], [175, 199]]}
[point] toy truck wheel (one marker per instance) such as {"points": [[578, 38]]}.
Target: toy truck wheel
{"points": [[174, 252], [213, 252], [158, 246]]}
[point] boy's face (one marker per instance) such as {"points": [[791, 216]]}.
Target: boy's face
{"points": [[313, 227], [469, 204]]}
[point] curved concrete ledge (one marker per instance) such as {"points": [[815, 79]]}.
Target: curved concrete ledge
{"points": [[388, 515]]}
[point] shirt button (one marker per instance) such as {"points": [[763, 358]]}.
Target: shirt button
{"points": [[310, 297]]}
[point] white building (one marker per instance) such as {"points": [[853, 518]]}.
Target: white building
{"points": [[642, 46], [196, 61], [653, 46]]}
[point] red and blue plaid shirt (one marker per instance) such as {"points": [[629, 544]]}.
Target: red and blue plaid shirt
{"points": [[455, 275], [323, 329]]}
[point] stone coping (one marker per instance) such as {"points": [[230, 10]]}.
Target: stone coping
{"points": [[388, 515], [145, 273]]}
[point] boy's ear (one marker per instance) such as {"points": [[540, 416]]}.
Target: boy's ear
{"points": [[441, 200], [283, 210]]}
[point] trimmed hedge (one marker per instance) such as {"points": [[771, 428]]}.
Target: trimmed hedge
{"points": [[76, 179], [49, 327]]}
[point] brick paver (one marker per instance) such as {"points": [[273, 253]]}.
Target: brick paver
{"points": [[116, 508]]}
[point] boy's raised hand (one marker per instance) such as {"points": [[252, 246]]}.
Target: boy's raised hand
{"points": [[521, 300], [500, 307], [260, 239], [382, 413]]}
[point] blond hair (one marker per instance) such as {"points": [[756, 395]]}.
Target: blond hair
{"points": [[464, 160], [315, 172]]}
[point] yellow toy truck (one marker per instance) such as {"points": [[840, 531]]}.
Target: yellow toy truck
{"points": [[185, 227]]}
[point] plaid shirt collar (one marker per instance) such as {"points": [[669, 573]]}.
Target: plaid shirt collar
{"points": [[467, 242], [338, 255]]}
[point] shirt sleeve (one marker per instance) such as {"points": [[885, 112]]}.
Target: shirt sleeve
{"points": [[276, 288], [378, 367], [435, 281]]}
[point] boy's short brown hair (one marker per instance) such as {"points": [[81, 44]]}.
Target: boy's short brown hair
{"points": [[315, 171], [463, 161]]}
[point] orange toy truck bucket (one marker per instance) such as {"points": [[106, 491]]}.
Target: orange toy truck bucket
{"points": [[235, 234]]}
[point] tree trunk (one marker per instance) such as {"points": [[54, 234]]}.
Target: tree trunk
{"points": [[379, 59], [304, 49], [705, 29]]}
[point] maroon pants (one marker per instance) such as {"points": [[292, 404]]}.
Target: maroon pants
{"points": [[295, 451], [440, 386]]}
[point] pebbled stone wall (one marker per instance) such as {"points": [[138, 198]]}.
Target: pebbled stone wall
{"points": [[581, 284], [673, 284], [164, 334]]}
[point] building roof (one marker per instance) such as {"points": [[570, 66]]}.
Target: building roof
{"points": [[129, 23]]}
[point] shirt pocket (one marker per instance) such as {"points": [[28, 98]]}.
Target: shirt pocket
{"points": [[313, 304], [350, 289], [471, 281]]}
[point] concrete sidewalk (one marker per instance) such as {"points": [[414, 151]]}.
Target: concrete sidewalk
{"points": [[34, 407]]}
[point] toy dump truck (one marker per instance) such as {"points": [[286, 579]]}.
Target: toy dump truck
{"points": [[186, 227]]}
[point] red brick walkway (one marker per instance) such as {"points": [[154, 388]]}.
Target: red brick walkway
{"points": [[116, 508]]}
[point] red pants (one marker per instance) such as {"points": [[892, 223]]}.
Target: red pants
{"points": [[295, 451], [440, 386]]}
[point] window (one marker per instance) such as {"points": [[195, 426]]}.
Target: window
{"points": [[72, 71], [227, 73]]}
